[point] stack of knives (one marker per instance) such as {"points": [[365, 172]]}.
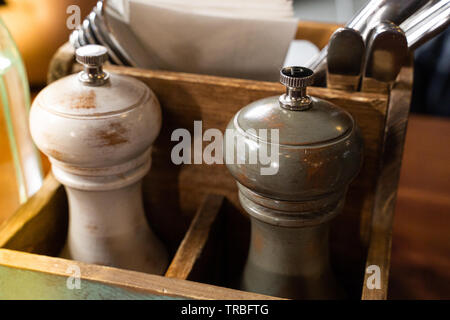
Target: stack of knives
{"points": [[368, 53]]}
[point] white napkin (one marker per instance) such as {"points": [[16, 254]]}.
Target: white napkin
{"points": [[226, 38], [229, 8], [300, 53]]}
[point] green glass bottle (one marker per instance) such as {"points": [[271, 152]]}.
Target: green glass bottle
{"points": [[20, 163]]}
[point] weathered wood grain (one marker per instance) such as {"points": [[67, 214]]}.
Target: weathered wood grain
{"points": [[61, 63], [30, 276], [379, 253], [40, 224], [318, 33], [193, 247]]}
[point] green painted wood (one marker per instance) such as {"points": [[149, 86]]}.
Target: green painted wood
{"points": [[33, 285]]}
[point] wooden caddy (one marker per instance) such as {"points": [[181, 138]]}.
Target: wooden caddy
{"points": [[208, 258]]}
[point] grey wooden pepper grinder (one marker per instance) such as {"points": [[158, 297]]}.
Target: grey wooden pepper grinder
{"points": [[319, 152], [97, 130]]}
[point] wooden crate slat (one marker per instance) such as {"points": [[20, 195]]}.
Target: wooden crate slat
{"points": [[40, 224], [31, 276], [318, 33], [379, 253], [192, 249]]}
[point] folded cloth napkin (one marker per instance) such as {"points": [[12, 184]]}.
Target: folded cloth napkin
{"points": [[224, 38]]}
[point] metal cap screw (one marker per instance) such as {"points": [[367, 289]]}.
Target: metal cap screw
{"points": [[296, 79], [92, 57]]}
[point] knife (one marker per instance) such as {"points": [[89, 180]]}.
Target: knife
{"points": [[387, 49], [345, 59], [363, 21]]}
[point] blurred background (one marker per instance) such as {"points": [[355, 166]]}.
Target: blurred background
{"points": [[421, 239], [39, 28]]}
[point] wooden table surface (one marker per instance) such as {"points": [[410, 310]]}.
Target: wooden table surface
{"points": [[420, 264]]}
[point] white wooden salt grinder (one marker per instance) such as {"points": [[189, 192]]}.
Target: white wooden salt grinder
{"points": [[97, 130]]}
